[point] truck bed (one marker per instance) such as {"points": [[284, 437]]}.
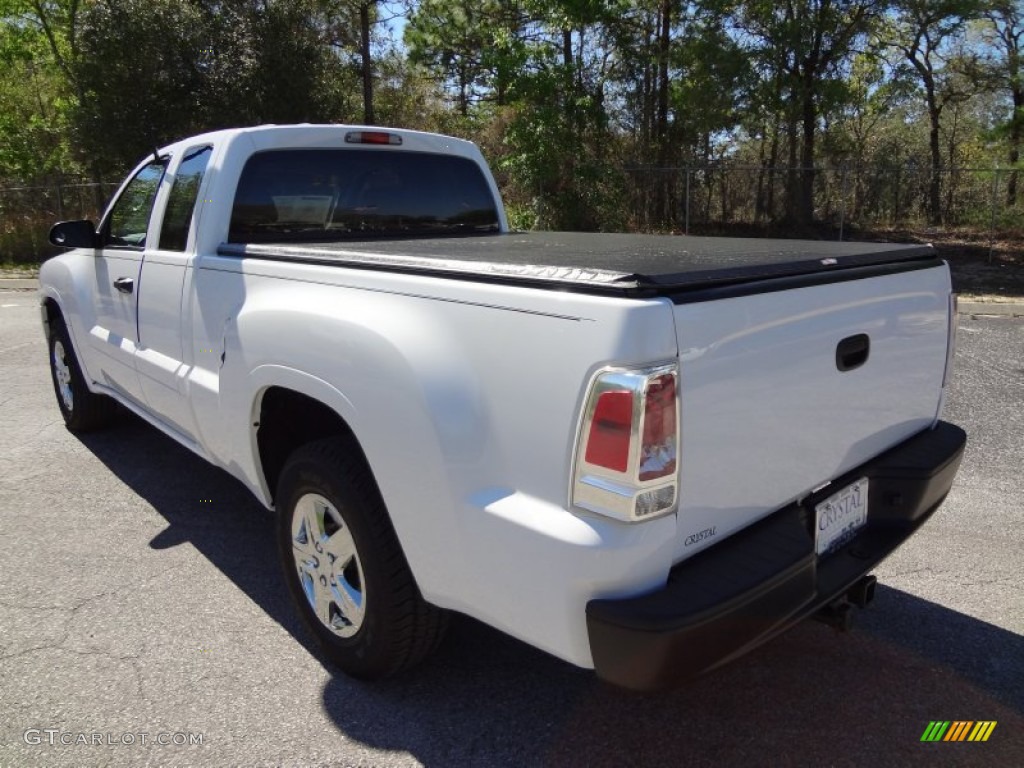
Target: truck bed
{"points": [[620, 264]]}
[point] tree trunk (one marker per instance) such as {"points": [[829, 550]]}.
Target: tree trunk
{"points": [[792, 162], [759, 207], [935, 178], [723, 192], [773, 164], [367, 62], [1016, 138], [935, 150], [664, 44], [709, 195], [805, 213], [952, 182], [647, 119], [568, 95], [1011, 183]]}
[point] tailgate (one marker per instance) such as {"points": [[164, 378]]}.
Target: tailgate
{"points": [[767, 414]]}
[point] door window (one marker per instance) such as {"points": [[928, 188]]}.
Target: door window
{"points": [[129, 218], [182, 201]]}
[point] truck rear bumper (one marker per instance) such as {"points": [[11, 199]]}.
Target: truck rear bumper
{"points": [[734, 596]]}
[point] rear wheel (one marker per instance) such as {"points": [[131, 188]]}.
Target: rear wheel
{"points": [[82, 410], [345, 568]]}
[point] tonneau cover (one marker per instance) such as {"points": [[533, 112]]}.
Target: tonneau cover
{"points": [[625, 264]]}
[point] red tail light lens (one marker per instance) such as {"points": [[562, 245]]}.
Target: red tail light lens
{"points": [[610, 429], [658, 450]]}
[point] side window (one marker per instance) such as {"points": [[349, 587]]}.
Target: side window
{"points": [[130, 217], [182, 200]]}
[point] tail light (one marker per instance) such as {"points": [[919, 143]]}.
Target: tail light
{"points": [[372, 137], [628, 444]]}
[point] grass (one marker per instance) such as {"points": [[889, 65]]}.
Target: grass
{"points": [[10, 269]]}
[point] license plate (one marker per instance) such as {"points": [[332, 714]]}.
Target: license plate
{"points": [[840, 516]]}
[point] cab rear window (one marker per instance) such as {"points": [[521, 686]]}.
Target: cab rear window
{"points": [[338, 194]]}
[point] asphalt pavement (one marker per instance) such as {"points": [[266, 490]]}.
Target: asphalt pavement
{"points": [[142, 612]]}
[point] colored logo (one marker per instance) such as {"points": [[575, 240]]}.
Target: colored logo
{"points": [[958, 730]]}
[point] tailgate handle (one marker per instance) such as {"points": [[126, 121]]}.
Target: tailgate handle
{"points": [[852, 352]]}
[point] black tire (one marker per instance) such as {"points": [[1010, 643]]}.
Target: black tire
{"points": [[390, 628], [83, 411]]}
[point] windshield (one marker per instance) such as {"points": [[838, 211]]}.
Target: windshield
{"points": [[338, 194]]}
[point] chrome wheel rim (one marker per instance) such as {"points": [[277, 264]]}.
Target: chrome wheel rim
{"points": [[328, 565], [62, 372]]}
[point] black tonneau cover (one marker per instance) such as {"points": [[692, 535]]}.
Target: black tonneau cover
{"points": [[623, 264]]}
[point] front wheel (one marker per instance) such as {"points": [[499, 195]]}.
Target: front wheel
{"points": [[345, 568], [82, 410]]}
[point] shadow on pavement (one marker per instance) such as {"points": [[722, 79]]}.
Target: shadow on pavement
{"points": [[174, 480], [810, 697]]}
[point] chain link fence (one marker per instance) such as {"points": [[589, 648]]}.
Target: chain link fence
{"points": [[699, 199], [27, 213]]}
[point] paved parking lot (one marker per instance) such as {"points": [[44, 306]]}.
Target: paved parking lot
{"points": [[140, 598]]}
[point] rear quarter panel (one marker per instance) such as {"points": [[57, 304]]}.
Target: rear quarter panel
{"points": [[465, 399]]}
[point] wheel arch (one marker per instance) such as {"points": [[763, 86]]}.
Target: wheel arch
{"points": [[284, 420], [51, 311]]}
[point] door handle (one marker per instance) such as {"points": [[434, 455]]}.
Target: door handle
{"points": [[852, 352], [124, 284]]}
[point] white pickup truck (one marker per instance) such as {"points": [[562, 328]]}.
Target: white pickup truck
{"points": [[643, 454]]}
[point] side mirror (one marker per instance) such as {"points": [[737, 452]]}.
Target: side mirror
{"points": [[74, 234]]}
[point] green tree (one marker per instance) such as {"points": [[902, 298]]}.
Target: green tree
{"points": [[478, 49], [33, 99], [451, 38], [559, 137], [860, 136], [924, 33], [808, 45], [38, 45], [155, 70], [1004, 39], [352, 28], [406, 96]]}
